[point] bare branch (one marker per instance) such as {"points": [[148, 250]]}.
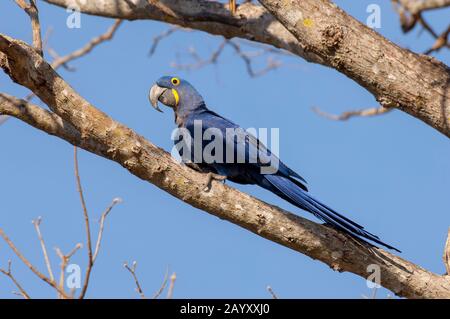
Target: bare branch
{"points": [[86, 224], [163, 285], [171, 286], [157, 39], [132, 271], [410, 13], [32, 11], [245, 56], [270, 290], [199, 62], [373, 111], [102, 225], [65, 258], [108, 35], [9, 274], [37, 223], [28, 264]]}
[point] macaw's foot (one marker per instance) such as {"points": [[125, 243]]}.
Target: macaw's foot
{"points": [[210, 177]]}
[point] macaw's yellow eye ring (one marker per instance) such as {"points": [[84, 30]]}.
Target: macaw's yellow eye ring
{"points": [[175, 81]]}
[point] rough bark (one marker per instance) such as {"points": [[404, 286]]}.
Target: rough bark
{"points": [[416, 84], [323, 33], [77, 121]]}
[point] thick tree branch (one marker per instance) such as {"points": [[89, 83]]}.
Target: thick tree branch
{"points": [[398, 78], [81, 124], [251, 22]]}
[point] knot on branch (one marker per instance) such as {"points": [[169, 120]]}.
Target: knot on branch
{"points": [[332, 37]]}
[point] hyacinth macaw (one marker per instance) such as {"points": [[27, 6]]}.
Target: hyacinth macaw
{"points": [[190, 108]]}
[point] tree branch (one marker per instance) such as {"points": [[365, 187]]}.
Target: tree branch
{"points": [[373, 111], [32, 11], [398, 78], [323, 33], [78, 122], [9, 274]]}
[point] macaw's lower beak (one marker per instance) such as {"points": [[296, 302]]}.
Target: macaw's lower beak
{"points": [[162, 95]]}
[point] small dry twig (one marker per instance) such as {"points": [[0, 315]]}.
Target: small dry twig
{"points": [[9, 274], [411, 13], [163, 285], [270, 290], [171, 286], [349, 114], [32, 11], [245, 56], [158, 38], [37, 224], [102, 225], [64, 261], [132, 271], [30, 265], [86, 224], [62, 61]]}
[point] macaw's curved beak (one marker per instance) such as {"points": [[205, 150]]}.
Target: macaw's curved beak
{"points": [[155, 93], [164, 95]]}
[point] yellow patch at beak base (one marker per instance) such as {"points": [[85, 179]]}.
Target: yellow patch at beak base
{"points": [[177, 97]]}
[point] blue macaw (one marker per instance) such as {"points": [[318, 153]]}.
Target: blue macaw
{"points": [[189, 108]]}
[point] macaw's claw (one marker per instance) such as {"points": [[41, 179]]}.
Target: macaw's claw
{"points": [[210, 177]]}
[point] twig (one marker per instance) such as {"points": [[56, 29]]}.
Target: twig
{"points": [[245, 56], [88, 47], [63, 61], [102, 225], [157, 39], [199, 61], [64, 261], [9, 274], [270, 290], [37, 223], [446, 256], [410, 13], [349, 114], [86, 224], [171, 286], [132, 271], [29, 265], [32, 11], [271, 64], [441, 41], [163, 285]]}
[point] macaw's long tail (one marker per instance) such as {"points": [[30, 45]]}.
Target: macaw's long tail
{"points": [[290, 191]]}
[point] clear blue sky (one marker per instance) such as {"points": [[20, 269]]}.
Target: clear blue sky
{"points": [[390, 173]]}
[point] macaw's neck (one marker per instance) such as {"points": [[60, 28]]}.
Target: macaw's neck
{"points": [[187, 108]]}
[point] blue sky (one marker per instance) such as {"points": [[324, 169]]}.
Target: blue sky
{"points": [[390, 173]]}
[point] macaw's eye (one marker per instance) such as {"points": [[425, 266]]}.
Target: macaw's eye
{"points": [[175, 81]]}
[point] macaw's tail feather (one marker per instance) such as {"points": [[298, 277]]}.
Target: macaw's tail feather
{"points": [[289, 191]]}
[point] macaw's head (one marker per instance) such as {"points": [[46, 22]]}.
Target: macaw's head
{"points": [[176, 93]]}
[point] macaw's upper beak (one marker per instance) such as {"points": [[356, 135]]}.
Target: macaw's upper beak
{"points": [[155, 93], [163, 95]]}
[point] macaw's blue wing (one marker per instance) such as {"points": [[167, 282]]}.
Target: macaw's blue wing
{"points": [[281, 180], [245, 148]]}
